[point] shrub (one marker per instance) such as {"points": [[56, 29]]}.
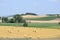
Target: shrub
{"points": [[25, 24], [59, 23]]}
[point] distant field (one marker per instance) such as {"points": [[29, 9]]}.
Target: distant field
{"points": [[32, 16], [37, 25], [42, 18]]}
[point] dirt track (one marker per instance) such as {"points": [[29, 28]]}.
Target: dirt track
{"points": [[24, 32]]}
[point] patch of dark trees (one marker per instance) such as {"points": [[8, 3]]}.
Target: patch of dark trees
{"points": [[15, 19]]}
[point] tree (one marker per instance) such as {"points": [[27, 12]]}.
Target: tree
{"points": [[4, 19], [30, 14], [11, 21], [58, 16], [17, 18], [0, 17], [25, 24]]}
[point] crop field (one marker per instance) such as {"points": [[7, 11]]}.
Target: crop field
{"points": [[37, 25], [26, 32], [33, 16], [42, 18], [44, 25]]}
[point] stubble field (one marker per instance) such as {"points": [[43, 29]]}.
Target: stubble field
{"points": [[26, 32]]}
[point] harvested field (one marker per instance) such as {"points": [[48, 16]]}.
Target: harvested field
{"points": [[26, 32], [32, 16], [36, 21]]}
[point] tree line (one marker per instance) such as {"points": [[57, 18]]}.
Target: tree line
{"points": [[15, 19]]}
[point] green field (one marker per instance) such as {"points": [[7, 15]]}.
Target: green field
{"points": [[43, 18], [44, 25], [37, 25]]}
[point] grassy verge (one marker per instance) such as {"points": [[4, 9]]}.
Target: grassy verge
{"points": [[11, 24]]}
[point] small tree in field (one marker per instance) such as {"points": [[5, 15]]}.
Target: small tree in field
{"points": [[25, 24], [59, 23]]}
